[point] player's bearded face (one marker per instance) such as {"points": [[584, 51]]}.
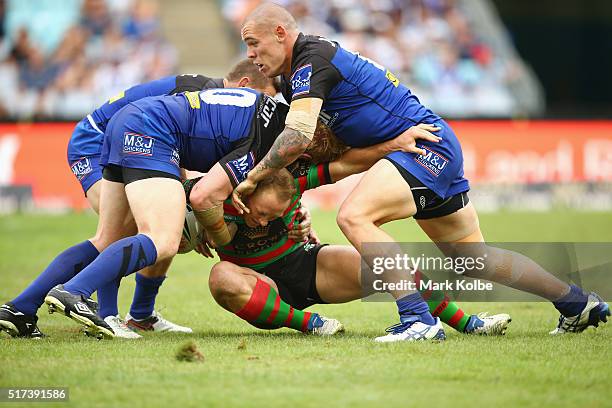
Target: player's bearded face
{"points": [[264, 49]]}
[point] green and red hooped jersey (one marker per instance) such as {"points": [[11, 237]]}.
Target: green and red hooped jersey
{"points": [[258, 247]]}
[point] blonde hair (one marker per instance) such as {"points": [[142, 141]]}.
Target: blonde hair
{"points": [[325, 146], [282, 182]]}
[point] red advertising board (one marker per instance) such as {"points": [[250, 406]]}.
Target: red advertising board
{"points": [[515, 152], [536, 151], [35, 154]]}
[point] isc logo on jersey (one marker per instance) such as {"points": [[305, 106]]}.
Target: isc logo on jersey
{"points": [[133, 143], [239, 168], [81, 168], [300, 80], [433, 162]]}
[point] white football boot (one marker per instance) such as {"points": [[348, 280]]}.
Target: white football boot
{"points": [[494, 325], [413, 330], [596, 311], [328, 328], [155, 323], [120, 328]]}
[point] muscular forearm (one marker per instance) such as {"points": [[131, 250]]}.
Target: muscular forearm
{"points": [[357, 160], [203, 197], [206, 198], [287, 148]]}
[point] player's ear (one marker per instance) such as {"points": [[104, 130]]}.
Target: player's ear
{"points": [[244, 82], [280, 33]]}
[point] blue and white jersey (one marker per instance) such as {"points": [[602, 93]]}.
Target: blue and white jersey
{"points": [[195, 130], [365, 104], [87, 138]]}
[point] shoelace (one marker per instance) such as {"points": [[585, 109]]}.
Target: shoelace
{"points": [[403, 325], [122, 325], [159, 317], [92, 304], [561, 321], [319, 328]]}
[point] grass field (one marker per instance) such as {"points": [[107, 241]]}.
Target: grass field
{"points": [[525, 368]]}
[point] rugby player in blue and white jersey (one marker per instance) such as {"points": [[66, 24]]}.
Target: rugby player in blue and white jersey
{"points": [[219, 131], [365, 104], [18, 317]]}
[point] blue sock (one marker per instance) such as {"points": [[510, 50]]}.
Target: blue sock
{"points": [[573, 303], [122, 258], [144, 296], [107, 299], [60, 270], [414, 304]]}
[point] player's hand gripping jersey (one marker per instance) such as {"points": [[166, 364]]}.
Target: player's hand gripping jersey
{"points": [[194, 130], [86, 140], [365, 104]]}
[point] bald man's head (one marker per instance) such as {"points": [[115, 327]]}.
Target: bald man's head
{"points": [[271, 15], [269, 33]]}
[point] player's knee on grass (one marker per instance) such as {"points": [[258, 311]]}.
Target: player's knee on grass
{"points": [[232, 285]]}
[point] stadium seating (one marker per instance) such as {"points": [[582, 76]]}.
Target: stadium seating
{"points": [[434, 46], [58, 63], [61, 62]]}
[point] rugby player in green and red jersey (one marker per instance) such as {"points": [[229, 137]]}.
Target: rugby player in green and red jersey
{"points": [[267, 278]]}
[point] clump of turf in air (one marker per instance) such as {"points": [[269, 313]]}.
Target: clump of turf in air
{"points": [[189, 352]]}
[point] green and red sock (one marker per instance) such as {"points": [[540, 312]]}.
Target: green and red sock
{"points": [[266, 310], [441, 306]]}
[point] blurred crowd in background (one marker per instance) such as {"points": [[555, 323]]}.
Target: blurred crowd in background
{"points": [[61, 59], [431, 45]]}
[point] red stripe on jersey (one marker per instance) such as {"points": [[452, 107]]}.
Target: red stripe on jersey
{"points": [[229, 209], [292, 222], [291, 206], [303, 181], [321, 174], [258, 259]]}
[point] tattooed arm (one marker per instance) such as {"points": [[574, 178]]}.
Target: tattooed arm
{"points": [[287, 147], [300, 125]]}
